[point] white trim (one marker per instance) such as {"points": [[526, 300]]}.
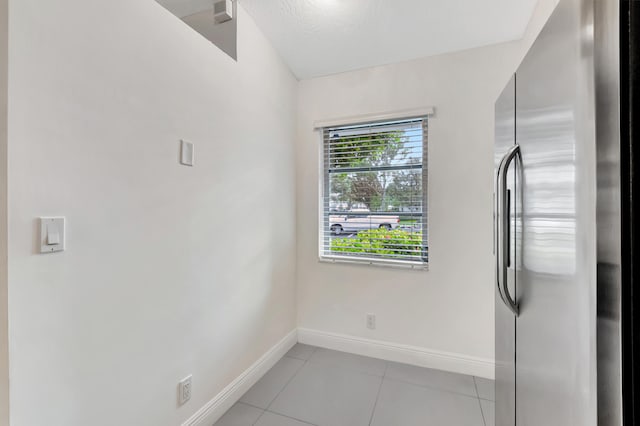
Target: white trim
{"points": [[215, 408], [446, 361], [422, 357], [370, 118], [372, 261]]}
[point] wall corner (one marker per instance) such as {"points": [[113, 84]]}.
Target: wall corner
{"points": [[4, 332]]}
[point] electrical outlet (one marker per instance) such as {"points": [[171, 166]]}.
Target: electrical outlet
{"points": [[184, 390], [371, 321]]}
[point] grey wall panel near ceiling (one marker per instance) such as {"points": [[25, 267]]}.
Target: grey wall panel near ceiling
{"points": [[198, 14]]}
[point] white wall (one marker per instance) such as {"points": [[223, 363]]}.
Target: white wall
{"points": [[172, 270], [169, 270], [4, 346], [450, 307]]}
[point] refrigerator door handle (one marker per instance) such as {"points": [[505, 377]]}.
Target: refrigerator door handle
{"points": [[502, 243]]}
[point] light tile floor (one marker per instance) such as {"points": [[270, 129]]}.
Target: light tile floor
{"points": [[321, 387]]}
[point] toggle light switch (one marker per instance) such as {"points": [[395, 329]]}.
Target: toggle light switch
{"points": [[186, 153], [51, 234]]}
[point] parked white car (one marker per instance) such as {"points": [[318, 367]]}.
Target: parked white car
{"points": [[359, 222]]}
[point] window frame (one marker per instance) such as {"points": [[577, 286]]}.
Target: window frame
{"points": [[424, 116]]}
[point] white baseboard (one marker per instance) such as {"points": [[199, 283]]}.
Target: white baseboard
{"points": [[456, 363], [214, 409]]}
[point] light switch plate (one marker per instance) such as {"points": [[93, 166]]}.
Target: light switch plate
{"points": [[51, 234], [186, 153]]}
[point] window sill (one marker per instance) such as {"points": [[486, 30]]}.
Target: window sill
{"points": [[366, 261]]}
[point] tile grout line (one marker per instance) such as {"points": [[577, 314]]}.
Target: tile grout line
{"points": [[387, 363], [259, 417], [242, 403], [478, 391], [475, 384], [287, 384], [296, 373], [434, 388], [288, 417], [264, 410], [375, 404], [484, 421], [250, 405], [351, 369], [294, 357], [383, 378]]}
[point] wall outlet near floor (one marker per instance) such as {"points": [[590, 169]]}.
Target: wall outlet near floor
{"points": [[371, 321], [184, 390]]}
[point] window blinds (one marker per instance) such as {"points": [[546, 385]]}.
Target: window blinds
{"points": [[375, 193]]}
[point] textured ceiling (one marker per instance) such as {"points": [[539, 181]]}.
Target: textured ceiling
{"points": [[321, 37]]}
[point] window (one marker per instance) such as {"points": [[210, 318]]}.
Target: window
{"points": [[375, 193]]}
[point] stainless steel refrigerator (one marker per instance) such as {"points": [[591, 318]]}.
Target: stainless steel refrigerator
{"points": [[562, 199]]}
